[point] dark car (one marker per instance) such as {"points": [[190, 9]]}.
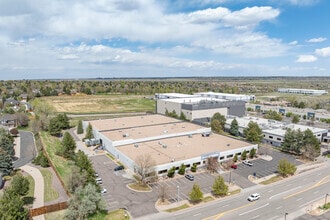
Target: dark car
{"points": [[119, 168], [189, 177]]}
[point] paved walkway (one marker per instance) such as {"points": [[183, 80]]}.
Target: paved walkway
{"points": [[38, 187], [38, 179]]}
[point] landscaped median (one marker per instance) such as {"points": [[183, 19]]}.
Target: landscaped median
{"points": [[184, 204]]}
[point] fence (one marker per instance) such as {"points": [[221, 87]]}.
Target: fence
{"points": [[49, 208]]}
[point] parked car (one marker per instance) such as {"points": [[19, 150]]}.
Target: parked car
{"points": [[96, 174], [103, 190], [233, 166], [254, 197], [119, 168], [98, 179], [100, 182], [248, 163], [189, 177]]}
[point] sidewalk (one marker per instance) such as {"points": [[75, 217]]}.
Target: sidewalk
{"points": [[38, 188]]}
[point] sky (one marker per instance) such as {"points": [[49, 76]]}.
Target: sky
{"points": [[75, 39]]}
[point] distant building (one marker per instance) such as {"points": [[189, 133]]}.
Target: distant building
{"points": [[200, 107], [273, 131], [302, 91]]}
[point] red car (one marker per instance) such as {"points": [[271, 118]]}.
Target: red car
{"points": [[234, 166]]}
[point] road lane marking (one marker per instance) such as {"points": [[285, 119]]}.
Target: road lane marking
{"points": [[299, 199], [275, 217], [279, 207], [225, 205], [315, 192], [217, 216], [197, 214], [285, 192], [270, 190], [321, 182], [255, 217], [252, 210]]}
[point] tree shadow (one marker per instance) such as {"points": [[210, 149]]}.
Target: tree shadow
{"points": [[28, 200]]}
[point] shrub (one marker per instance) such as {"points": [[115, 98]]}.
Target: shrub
{"points": [[194, 168], [182, 169], [171, 172]]}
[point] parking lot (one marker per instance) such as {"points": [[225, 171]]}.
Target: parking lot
{"points": [[262, 167], [177, 188]]}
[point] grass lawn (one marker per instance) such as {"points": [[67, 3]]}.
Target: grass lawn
{"points": [[62, 166], [117, 214], [31, 188], [184, 206], [93, 104], [50, 193], [139, 187], [271, 180], [55, 215]]}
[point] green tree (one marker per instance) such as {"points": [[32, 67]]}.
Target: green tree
{"points": [[253, 133], [216, 126], [54, 127], [219, 187], [171, 172], [252, 153], [6, 143], [12, 206], [273, 115], [295, 119], [235, 158], [196, 194], [285, 168], [80, 129], [89, 132], [311, 147], [63, 121], [6, 163], [84, 202], [234, 128], [222, 121], [85, 165], [244, 155], [68, 146], [20, 185], [193, 168], [183, 116], [182, 169]]}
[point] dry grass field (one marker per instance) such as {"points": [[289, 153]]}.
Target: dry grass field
{"points": [[93, 104]]}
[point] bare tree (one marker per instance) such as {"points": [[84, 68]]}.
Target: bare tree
{"points": [[212, 164], [163, 192], [145, 168]]}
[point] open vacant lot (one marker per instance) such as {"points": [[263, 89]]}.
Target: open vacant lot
{"points": [[83, 104]]}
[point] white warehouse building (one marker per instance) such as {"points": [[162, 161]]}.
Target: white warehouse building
{"points": [[170, 142], [302, 91]]}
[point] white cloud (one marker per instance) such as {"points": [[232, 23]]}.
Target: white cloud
{"points": [[306, 59], [317, 40], [303, 2], [293, 42], [323, 52]]}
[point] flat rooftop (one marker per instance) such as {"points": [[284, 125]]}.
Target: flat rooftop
{"points": [[131, 122], [195, 100], [182, 147], [281, 131]]}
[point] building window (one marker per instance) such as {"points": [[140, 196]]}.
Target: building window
{"points": [[271, 137], [279, 139], [162, 171], [240, 153], [221, 158], [230, 156]]}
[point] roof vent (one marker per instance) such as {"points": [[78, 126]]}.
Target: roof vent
{"points": [[190, 135], [164, 146]]}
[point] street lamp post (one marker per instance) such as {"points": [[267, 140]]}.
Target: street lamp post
{"points": [[178, 192], [285, 214], [229, 176], [325, 201]]}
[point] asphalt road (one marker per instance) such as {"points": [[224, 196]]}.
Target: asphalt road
{"points": [[27, 149], [290, 196]]}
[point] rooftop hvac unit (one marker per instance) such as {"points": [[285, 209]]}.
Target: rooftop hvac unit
{"points": [[159, 142], [164, 146], [136, 145], [125, 135], [190, 135]]}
